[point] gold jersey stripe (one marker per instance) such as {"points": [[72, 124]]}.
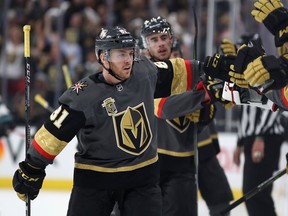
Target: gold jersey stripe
{"points": [[184, 154], [48, 142], [205, 142], [179, 83], [214, 136], [175, 154], [118, 169]]}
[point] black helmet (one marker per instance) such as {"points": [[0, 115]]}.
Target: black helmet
{"points": [[177, 46], [113, 38], [155, 25]]}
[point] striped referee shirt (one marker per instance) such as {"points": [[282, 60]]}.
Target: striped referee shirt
{"points": [[255, 121]]}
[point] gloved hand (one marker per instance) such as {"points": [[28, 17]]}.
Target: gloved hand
{"points": [[228, 47], [218, 66], [275, 18], [27, 180], [266, 73], [237, 78], [203, 116], [245, 55], [214, 89]]}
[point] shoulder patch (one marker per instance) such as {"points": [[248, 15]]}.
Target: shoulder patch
{"points": [[79, 86]]}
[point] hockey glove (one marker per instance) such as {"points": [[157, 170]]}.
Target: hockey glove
{"points": [[282, 50], [27, 180], [245, 55], [228, 47], [214, 89], [203, 116], [267, 72], [275, 18], [238, 78], [218, 66]]}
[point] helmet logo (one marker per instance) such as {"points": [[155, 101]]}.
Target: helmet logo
{"points": [[123, 31], [103, 33]]}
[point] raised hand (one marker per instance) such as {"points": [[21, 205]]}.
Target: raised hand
{"points": [[218, 66], [275, 18]]}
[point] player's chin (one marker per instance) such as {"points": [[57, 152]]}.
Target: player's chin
{"points": [[127, 74]]}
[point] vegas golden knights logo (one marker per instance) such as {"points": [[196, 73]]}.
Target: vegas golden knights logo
{"points": [[180, 124], [133, 130]]}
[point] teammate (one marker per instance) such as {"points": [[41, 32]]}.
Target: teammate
{"points": [[175, 138], [112, 114]]}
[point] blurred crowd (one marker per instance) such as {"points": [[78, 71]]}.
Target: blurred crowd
{"points": [[63, 33]]}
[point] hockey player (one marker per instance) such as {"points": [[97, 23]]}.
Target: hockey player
{"points": [[175, 137], [112, 114]]}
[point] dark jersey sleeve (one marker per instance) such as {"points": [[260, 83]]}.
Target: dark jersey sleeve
{"points": [[279, 97], [179, 104], [54, 135], [176, 76]]}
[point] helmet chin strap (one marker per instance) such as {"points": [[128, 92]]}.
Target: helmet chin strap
{"points": [[112, 73]]}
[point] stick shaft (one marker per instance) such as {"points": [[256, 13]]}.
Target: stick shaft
{"points": [[26, 30], [44, 103], [67, 76], [253, 192]]}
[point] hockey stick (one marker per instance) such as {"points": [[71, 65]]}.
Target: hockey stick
{"points": [[195, 128], [39, 99], [67, 76], [26, 30], [253, 192]]}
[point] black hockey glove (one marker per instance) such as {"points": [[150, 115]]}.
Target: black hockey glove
{"points": [[267, 72], [214, 89], [275, 18], [203, 116], [238, 78], [228, 47], [218, 66], [245, 55], [27, 180]]}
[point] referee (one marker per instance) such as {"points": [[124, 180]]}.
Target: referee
{"points": [[260, 136]]}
